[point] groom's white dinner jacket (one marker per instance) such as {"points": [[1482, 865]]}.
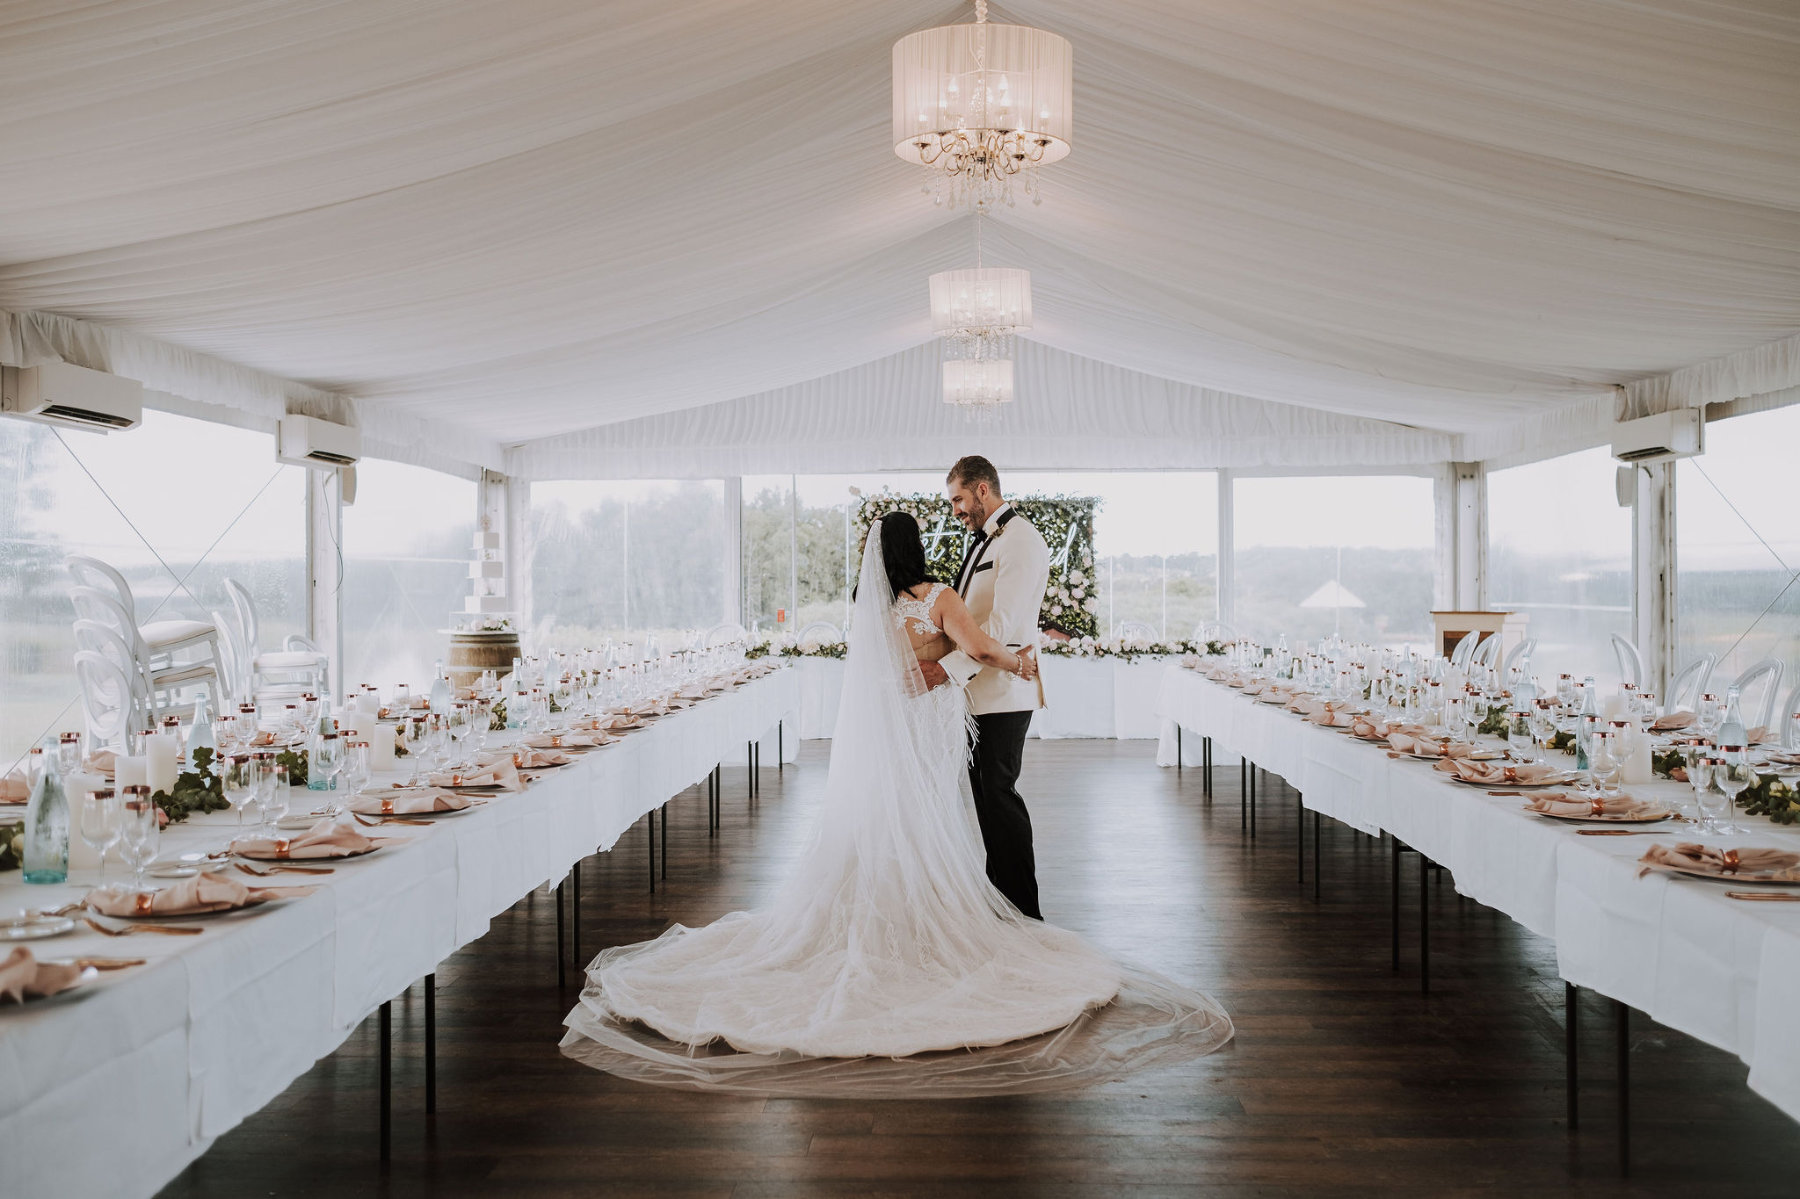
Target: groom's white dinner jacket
{"points": [[1002, 579]]}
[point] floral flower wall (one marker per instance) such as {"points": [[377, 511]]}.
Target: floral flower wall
{"points": [[1071, 601]]}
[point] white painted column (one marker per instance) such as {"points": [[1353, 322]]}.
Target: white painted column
{"points": [[1653, 572], [518, 545], [1443, 538], [1226, 597], [1471, 536], [325, 568]]}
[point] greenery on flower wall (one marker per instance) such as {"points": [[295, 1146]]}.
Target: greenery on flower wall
{"points": [[1066, 522]]}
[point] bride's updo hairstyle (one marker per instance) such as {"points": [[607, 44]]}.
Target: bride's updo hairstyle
{"points": [[903, 552]]}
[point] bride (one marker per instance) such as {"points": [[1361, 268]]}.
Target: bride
{"points": [[887, 945]]}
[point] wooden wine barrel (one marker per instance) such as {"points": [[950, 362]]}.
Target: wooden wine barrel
{"points": [[472, 653]]}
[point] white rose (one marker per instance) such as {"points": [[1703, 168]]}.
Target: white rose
{"points": [[1080, 593], [1056, 609], [1076, 576]]}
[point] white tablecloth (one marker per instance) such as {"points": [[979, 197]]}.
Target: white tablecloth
{"points": [[111, 1091], [1084, 697], [1724, 971]]}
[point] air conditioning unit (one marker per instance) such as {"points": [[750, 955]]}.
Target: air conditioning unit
{"points": [[1677, 433], [60, 393], [308, 441]]}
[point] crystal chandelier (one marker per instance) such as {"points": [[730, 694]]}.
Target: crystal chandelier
{"points": [[978, 385], [982, 104]]}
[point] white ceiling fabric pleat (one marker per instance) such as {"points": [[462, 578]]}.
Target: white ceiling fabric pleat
{"points": [[513, 223]]}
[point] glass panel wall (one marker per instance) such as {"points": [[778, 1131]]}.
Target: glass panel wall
{"points": [[408, 541], [176, 505], [1559, 551], [1738, 548], [1351, 555], [621, 559]]}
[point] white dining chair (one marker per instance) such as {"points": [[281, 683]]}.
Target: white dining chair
{"points": [[1767, 675], [1135, 630], [1631, 662], [1464, 650], [1788, 734], [1487, 652], [102, 638], [108, 703], [821, 631], [1690, 683], [163, 678], [298, 667], [163, 639]]}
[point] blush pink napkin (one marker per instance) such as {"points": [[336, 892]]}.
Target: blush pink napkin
{"points": [[22, 976], [1561, 803], [402, 801], [1497, 773], [190, 896], [501, 774], [330, 838], [1690, 855], [14, 788], [526, 757], [1420, 744], [1332, 716], [102, 761], [1671, 722]]}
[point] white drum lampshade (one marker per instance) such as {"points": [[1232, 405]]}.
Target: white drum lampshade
{"points": [[980, 299]]}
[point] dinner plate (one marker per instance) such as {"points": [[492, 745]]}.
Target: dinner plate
{"points": [[186, 867], [309, 860], [1651, 817], [35, 928], [88, 975], [1511, 785], [1790, 877]]}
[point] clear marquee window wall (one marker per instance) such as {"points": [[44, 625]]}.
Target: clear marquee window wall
{"points": [[179, 505]]}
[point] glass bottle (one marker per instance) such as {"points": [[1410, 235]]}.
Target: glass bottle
{"points": [[47, 825], [318, 775], [1586, 723], [440, 688], [200, 736], [1731, 729]]}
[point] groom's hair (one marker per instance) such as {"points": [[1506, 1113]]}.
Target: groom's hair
{"points": [[974, 469]]}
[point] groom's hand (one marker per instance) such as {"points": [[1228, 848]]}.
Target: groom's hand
{"points": [[935, 675]]}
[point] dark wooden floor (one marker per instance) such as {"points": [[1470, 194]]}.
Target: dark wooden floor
{"points": [[1343, 1078]]}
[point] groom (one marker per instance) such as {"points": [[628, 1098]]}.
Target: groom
{"points": [[1003, 576]]}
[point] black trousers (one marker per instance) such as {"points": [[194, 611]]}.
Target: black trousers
{"points": [[1005, 824]]}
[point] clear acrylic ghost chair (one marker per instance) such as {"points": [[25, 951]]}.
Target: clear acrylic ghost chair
{"points": [[1519, 653], [1631, 662], [1135, 630], [1788, 736], [299, 666], [162, 680], [163, 638], [1464, 650], [822, 631], [1487, 653], [1766, 674], [725, 634], [1690, 683]]}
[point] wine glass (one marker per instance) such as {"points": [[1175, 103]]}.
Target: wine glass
{"points": [[277, 794], [99, 813], [68, 752], [1543, 727], [1733, 777], [456, 721], [138, 828], [356, 769], [328, 760], [240, 784], [1605, 766], [1707, 797]]}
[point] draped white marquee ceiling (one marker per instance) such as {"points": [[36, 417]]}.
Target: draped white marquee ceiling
{"points": [[519, 221]]}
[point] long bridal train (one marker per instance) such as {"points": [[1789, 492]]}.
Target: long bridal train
{"points": [[887, 964]]}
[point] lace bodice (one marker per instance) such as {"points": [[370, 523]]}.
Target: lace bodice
{"points": [[915, 614]]}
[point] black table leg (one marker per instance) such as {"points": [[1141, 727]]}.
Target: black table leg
{"points": [[1206, 765], [1394, 898], [651, 841], [1424, 926], [665, 838], [1300, 834], [562, 941], [575, 913], [1571, 1031], [431, 1044], [1316, 827], [1253, 801], [1243, 795], [1177, 747], [756, 768], [387, 1080], [1623, 1015], [780, 745]]}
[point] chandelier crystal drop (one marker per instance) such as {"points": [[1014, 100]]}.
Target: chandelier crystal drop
{"points": [[981, 105]]}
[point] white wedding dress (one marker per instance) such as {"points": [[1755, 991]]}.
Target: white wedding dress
{"points": [[888, 945]]}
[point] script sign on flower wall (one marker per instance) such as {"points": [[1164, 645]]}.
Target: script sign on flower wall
{"points": [[1067, 523]]}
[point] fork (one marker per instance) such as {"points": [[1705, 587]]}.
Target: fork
{"points": [[127, 930], [368, 822], [260, 869]]}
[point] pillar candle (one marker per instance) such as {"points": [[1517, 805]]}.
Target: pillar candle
{"points": [[381, 748], [128, 772], [160, 753]]}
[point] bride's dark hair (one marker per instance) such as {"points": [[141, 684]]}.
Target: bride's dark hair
{"points": [[903, 552]]}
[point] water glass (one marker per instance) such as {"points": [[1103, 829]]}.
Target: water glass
{"points": [[99, 819], [1604, 765], [1733, 777], [356, 769], [138, 829], [275, 794], [239, 781], [68, 753]]}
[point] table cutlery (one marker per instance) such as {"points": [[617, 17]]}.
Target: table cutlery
{"points": [[1623, 832], [260, 868], [372, 821], [1765, 896], [125, 930], [99, 963]]}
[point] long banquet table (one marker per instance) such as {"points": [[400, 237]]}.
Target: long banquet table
{"points": [[1676, 949], [111, 1090]]}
